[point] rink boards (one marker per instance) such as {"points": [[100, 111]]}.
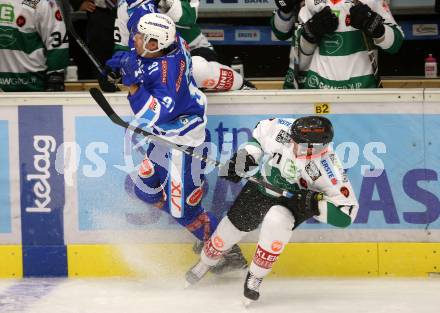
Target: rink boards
{"points": [[67, 208]]}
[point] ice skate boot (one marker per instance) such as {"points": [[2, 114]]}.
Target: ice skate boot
{"points": [[196, 273], [232, 260], [251, 287]]}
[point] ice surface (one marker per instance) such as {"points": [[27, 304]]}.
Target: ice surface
{"points": [[215, 295]]}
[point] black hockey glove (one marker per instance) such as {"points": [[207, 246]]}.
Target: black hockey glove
{"points": [[303, 205], [55, 81], [287, 6], [107, 81], [236, 168], [363, 18], [323, 22]]}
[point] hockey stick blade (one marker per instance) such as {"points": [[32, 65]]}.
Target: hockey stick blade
{"points": [[108, 110]]}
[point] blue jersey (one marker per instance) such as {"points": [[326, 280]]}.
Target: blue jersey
{"points": [[168, 101]]}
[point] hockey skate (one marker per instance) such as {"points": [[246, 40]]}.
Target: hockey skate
{"points": [[247, 85], [196, 273], [232, 260], [251, 287]]}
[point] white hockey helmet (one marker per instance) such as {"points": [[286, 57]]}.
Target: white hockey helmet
{"points": [[157, 26]]}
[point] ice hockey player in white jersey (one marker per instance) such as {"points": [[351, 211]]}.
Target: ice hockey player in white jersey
{"points": [[335, 45], [33, 46], [208, 73], [294, 155]]}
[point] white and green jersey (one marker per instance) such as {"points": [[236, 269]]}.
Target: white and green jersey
{"points": [[183, 12], [340, 60], [271, 146], [33, 42]]}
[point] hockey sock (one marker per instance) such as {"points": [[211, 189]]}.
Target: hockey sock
{"points": [[224, 237], [275, 233]]}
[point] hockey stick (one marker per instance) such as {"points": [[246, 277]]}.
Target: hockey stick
{"points": [[66, 13], [108, 110]]}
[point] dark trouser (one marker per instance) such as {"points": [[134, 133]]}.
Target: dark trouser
{"points": [[100, 27], [250, 208]]}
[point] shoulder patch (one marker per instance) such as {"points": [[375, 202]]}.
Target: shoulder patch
{"points": [[312, 170], [283, 137], [31, 3]]}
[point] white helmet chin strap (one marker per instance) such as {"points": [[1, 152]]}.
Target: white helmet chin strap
{"points": [[146, 50]]}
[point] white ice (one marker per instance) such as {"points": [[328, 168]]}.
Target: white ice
{"points": [[215, 295]]}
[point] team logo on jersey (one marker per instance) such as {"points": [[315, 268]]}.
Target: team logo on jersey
{"points": [[194, 197], [218, 242], [276, 246], [283, 137], [335, 1], [320, 1], [333, 43], [345, 192], [208, 83], [329, 172], [303, 183], [290, 170], [58, 16], [312, 170], [21, 20], [147, 168]]}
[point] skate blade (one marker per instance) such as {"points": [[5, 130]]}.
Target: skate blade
{"points": [[247, 302]]}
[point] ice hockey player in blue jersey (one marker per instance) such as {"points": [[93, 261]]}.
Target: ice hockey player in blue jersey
{"points": [[166, 102]]}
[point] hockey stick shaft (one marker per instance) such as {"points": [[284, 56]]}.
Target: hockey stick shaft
{"points": [[371, 55], [108, 110], [65, 11]]}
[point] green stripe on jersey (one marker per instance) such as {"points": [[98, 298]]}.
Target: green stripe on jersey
{"points": [[120, 48], [13, 39], [189, 34], [398, 40], [22, 81], [280, 35], [342, 43], [315, 81], [57, 59], [336, 217]]}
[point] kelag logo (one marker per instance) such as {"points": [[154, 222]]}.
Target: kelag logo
{"points": [[41, 186], [43, 145]]}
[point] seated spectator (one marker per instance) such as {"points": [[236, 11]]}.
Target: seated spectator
{"points": [[33, 46]]}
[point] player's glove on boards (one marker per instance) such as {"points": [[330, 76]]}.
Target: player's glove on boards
{"points": [[323, 22], [363, 18], [303, 205], [237, 167], [286, 6]]}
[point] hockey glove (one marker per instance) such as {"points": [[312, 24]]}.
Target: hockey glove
{"points": [[286, 6], [131, 70], [237, 167], [323, 22], [363, 18], [55, 81], [303, 205]]}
